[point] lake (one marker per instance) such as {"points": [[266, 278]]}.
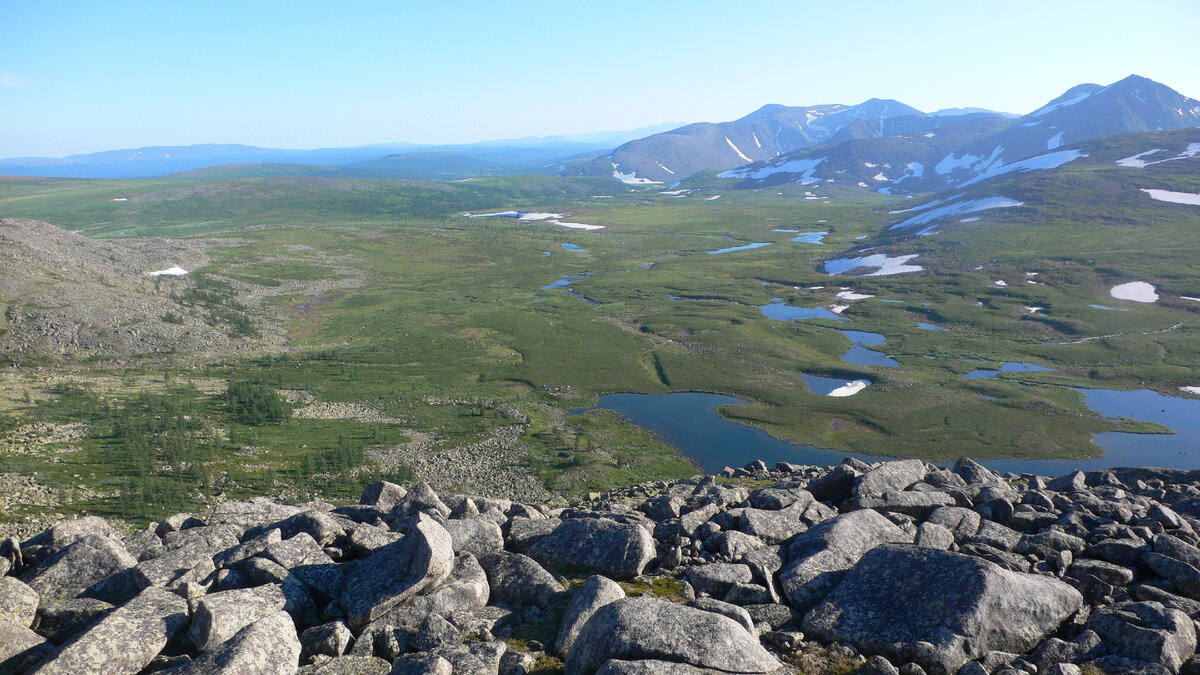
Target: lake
{"points": [[689, 421]]}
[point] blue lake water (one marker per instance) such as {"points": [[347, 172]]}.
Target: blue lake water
{"points": [[739, 248], [689, 421], [1007, 367], [574, 248], [784, 312], [567, 281], [810, 237], [930, 326], [860, 355]]}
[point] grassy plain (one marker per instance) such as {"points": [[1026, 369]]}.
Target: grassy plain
{"points": [[452, 317]]}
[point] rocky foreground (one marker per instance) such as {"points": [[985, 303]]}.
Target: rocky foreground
{"points": [[923, 570]]}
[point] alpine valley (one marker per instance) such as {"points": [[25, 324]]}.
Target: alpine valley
{"points": [[184, 325]]}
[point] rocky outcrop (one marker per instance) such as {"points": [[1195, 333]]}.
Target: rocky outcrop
{"points": [[929, 571]]}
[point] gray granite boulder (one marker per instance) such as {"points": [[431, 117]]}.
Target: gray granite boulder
{"points": [[398, 571], [519, 581], [818, 558], [329, 639], [253, 513], [595, 593], [126, 640], [616, 550], [216, 617], [382, 494], [648, 628], [20, 647], [889, 477], [269, 646], [715, 579], [18, 602], [477, 536], [84, 561], [939, 609], [1147, 632]]}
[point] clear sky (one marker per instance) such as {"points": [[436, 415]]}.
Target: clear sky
{"points": [[87, 76]]}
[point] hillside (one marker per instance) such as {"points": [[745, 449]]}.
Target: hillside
{"points": [[931, 161], [769, 132]]}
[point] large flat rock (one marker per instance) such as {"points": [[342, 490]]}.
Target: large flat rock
{"points": [[648, 628], [961, 607]]}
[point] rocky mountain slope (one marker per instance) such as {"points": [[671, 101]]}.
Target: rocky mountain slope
{"points": [[67, 297], [768, 132], [919, 569], [959, 155]]}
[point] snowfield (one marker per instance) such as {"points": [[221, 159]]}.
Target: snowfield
{"points": [[1137, 162], [884, 264], [804, 167], [1051, 160], [175, 271], [849, 389], [1137, 291], [1174, 197], [955, 209]]}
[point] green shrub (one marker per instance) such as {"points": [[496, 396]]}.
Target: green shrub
{"points": [[256, 404]]}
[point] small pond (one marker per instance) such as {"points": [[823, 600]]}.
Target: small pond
{"points": [[781, 311], [930, 326], [574, 248], [744, 247], [861, 356], [567, 281], [810, 237], [1007, 367]]}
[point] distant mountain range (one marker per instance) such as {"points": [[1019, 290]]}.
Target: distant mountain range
{"points": [[388, 160], [880, 144], [884, 143], [973, 150]]}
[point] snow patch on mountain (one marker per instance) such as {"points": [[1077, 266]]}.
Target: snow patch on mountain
{"points": [[1061, 104], [885, 265], [737, 150], [1137, 291], [950, 163], [1137, 162], [803, 167], [632, 178], [1173, 197], [1054, 141], [1051, 160], [955, 209]]}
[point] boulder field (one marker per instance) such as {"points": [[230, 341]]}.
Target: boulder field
{"points": [[888, 569]]}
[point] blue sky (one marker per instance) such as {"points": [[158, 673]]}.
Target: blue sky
{"points": [[88, 76]]}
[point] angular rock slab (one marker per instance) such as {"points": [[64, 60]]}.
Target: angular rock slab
{"points": [[958, 606], [595, 593], [18, 602], [84, 561], [1146, 631], [647, 628], [268, 646], [216, 617], [398, 571], [818, 558], [616, 550], [126, 640]]}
